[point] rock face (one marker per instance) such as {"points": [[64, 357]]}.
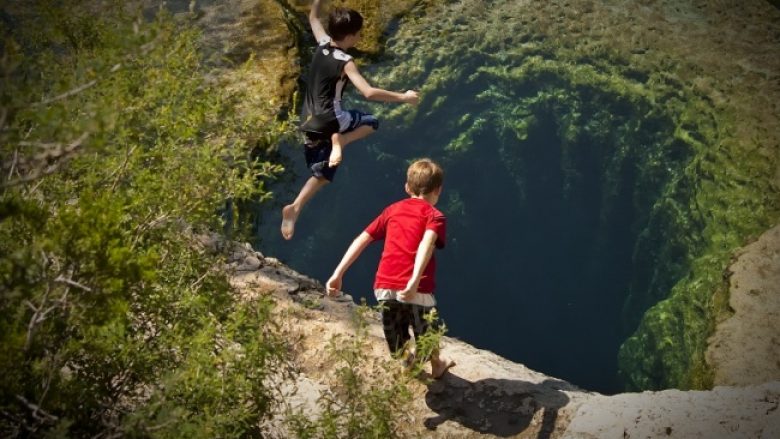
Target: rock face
{"points": [[745, 348], [724, 412], [485, 395]]}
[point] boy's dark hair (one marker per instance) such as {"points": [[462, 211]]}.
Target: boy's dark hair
{"points": [[424, 176], [343, 22]]}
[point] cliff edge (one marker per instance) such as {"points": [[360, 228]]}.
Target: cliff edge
{"points": [[486, 395]]}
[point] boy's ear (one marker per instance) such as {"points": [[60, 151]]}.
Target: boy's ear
{"points": [[408, 191]]}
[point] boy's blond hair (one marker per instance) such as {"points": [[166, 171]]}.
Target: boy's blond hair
{"points": [[424, 176]]}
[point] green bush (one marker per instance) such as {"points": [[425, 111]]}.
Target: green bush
{"points": [[116, 151]]}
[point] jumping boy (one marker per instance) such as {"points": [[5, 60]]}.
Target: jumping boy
{"points": [[327, 127], [404, 281]]}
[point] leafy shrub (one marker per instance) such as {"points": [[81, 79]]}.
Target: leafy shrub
{"points": [[115, 147]]}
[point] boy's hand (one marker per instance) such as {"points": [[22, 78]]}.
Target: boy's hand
{"points": [[333, 286], [408, 293], [411, 97]]}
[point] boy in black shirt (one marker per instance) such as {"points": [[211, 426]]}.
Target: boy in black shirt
{"points": [[327, 126]]}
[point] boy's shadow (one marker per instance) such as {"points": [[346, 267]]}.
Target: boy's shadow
{"points": [[499, 407]]}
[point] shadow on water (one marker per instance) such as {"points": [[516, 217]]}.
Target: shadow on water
{"points": [[499, 407]]}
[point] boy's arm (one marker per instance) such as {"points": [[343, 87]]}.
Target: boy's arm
{"points": [[377, 94], [424, 252], [315, 23], [355, 249]]}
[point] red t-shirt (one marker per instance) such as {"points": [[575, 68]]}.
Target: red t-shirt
{"points": [[402, 226]]}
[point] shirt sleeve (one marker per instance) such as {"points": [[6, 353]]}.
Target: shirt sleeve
{"points": [[377, 228], [437, 222]]}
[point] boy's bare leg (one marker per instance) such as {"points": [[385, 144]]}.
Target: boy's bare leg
{"points": [[340, 140], [290, 212], [439, 365]]}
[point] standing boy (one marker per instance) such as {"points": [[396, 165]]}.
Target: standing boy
{"points": [[404, 282], [327, 126]]}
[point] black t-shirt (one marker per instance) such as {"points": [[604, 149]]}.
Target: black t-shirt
{"points": [[325, 86]]}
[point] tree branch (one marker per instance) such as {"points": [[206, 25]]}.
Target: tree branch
{"points": [[44, 416], [67, 94], [72, 283], [49, 157], [35, 319], [117, 174], [13, 164]]}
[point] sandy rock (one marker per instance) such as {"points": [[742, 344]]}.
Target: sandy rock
{"points": [[249, 263], [725, 412], [745, 348]]}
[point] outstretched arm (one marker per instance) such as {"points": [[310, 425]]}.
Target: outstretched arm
{"points": [[377, 94], [421, 259], [355, 249], [315, 23]]}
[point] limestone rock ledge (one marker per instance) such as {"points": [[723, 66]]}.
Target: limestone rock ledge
{"points": [[486, 395], [753, 329]]}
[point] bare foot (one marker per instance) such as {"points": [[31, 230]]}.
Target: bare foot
{"points": [[335, 153], [440, 366], [289, 215]]}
